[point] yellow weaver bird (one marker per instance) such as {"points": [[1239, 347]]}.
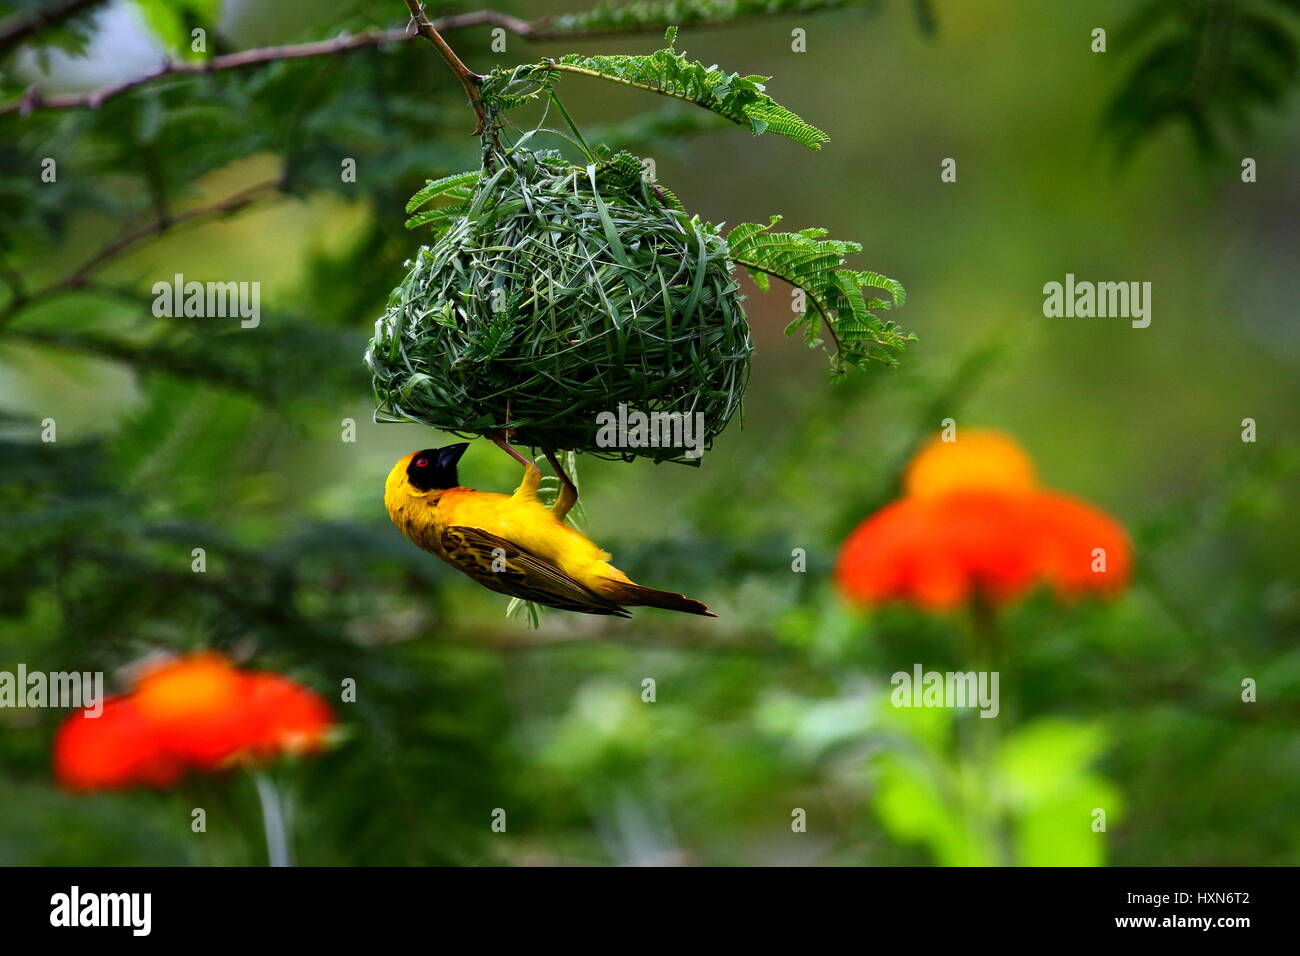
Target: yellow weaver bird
{"points": [[513, 544]]}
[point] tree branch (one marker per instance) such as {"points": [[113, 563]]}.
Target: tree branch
{"points": [[34, 99], [541, 30], [80, 277], [468, 78], [145, 358]]}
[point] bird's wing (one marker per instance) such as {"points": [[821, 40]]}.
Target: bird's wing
{"points": [[505, 567]]}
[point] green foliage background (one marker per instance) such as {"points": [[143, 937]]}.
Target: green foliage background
{"points": [[183, 433]]}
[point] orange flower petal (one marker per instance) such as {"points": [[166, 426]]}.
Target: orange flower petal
{"points": [[939, 551], [285, 717], [1083, 548], [114, 750], [978, 459], [198, 706]]}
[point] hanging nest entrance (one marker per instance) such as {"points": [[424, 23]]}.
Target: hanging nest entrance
{"points": [[562, 293]]}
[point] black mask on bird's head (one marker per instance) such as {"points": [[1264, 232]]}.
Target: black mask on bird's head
{"points": [[434, 469]]}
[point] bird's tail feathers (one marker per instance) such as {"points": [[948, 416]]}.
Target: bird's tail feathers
{"points": [[634, 595]]}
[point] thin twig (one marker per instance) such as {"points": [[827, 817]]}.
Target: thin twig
{"points": [[468, 78], [217, 210], [34, 99], [80, 277], [821, 310]]}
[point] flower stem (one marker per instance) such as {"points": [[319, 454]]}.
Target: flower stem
{"points": [[984, 743], [274, 821]]}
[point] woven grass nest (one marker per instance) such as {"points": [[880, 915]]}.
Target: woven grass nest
{"points": [[554, 293]]}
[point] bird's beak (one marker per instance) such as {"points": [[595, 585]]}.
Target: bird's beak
{"points": [[449, 455]]}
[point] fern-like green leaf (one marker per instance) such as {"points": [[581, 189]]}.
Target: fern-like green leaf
{"points": [[458, 187], [741, 99], [809, 261]]}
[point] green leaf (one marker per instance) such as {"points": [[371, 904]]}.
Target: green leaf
{"points": [[458, 187], [456, 184], [1052, 792], [171, 20], [816, 265], [740, 99]]}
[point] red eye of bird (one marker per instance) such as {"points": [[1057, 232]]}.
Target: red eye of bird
{"points": [[421, 463]]}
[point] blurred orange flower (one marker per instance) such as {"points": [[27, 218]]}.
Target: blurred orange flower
{"points": [[196, 712], [973, 521]]}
